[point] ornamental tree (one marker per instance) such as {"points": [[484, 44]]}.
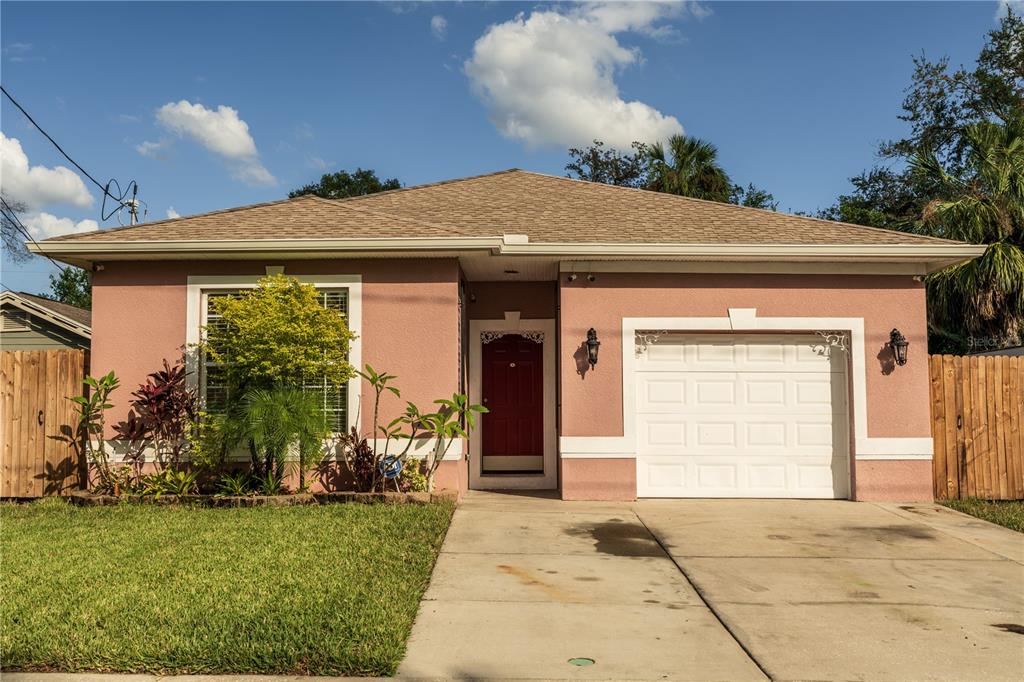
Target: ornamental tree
{"points": [[278, 334]]}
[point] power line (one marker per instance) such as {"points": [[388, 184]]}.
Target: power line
{"points": [[133, 187]]}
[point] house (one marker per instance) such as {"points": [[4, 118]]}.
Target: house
{"points": [[37, 323], [627, 343]]}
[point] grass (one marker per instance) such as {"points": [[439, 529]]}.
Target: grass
{"points": [[323, 590], [1004, 513]]}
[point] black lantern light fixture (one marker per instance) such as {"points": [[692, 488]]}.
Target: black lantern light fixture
{"points": [[592, 345], [898, 343]]}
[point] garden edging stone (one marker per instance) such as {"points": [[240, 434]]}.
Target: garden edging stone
{"points": [[86, 499]]}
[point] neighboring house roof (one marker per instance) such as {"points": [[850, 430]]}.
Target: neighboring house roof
{"points": [[513, 212], [69, 317]]}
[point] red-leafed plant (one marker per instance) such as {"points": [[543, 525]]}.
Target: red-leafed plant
{"points": [[161, 415]]}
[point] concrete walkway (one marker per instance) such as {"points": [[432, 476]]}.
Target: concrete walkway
{"points": [[785, 590], [523, 585]]}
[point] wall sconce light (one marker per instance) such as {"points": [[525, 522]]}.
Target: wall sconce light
{"points": [[592, 345], [898, 343]]}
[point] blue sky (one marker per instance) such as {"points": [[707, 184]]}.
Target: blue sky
{"points": [[210, 105]]}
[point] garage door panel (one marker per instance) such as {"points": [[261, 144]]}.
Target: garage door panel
{"points": [[741, 416], [719, 352], [742, 477], [777, 392]]}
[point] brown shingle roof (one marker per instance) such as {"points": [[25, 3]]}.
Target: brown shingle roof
{"points": [[79, 315], [546, 208]]}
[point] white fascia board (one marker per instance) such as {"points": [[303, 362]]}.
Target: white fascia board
{"points": [[934, 255]]}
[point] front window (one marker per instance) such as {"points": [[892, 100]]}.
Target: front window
{"points": [[213, 383]]}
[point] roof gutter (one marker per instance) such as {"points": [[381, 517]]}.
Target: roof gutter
{"points": [[940, 255]]}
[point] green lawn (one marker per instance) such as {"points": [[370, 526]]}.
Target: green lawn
{"points": [[325, 590], [1005, 513]]}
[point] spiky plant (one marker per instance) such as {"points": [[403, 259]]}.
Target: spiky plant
{"points": [[983, 204]]}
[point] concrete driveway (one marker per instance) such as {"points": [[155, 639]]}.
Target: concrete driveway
{"points": [[720, 590]]}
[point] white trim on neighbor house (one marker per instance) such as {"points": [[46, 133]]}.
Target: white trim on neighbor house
{"points": [[195, 311], [41, 311], [743, 320], [549, 479]]}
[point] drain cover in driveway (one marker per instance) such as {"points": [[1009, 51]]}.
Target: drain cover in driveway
{"points": [[581, 661]]}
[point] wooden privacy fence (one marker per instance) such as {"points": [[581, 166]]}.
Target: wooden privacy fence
{"points": [[978, 426], [36, 457]]}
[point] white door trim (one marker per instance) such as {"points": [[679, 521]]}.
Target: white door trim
{"points": [[549, 479], [741, 320]]}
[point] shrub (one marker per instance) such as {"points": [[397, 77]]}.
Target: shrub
{"points": [[278, 333], [162, 413], [235, 485], [171, 482], [90, 425]]}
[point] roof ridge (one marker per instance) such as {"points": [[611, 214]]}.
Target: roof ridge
{"points": [[426, 185]]}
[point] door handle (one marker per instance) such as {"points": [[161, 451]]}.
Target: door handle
{"points": [[485, 400]]}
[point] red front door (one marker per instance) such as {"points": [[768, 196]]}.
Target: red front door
{"points": [[512, 383]]}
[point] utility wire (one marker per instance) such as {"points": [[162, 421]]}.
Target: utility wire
{"points": [[103, 188]]}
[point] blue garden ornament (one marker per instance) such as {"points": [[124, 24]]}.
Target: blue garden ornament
{"points": [[390, 467]]}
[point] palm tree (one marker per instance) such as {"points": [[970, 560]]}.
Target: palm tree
{"points": [[693, 170], [275, 422], [983, 204]]}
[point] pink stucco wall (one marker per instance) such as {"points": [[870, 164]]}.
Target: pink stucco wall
{"points": [[409, 320], [598, 479], [893, 481], [897, 401]]}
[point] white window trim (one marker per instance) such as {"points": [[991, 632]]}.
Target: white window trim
{"points": [[740, 320], [549, 479], [197, 285]]}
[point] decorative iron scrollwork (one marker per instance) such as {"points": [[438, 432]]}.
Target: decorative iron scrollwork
{"points": [[647, 337], [487, 337], [832, 339]]}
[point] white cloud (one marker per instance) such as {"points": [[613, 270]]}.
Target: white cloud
{"points": [[37, 186], [45, 225], [317, 163], [439, 26], [549, 78], [152, 149], [171, 213], [222, 132], [1004, 6]]}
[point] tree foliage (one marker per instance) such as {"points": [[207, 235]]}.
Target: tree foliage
{"points": [[277, 334], [939, 105], [72, 286], [343, 184], [598, 163], [690, 168], [952, 176], [13, 239], [979, 199]]}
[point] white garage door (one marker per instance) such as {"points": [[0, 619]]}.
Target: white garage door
{"points": [[741, 416]]}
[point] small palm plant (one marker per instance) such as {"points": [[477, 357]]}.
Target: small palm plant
{"points": [[278, 422]]}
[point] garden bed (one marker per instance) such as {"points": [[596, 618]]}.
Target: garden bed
{"points": [[84, 499], [318, 589]]}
